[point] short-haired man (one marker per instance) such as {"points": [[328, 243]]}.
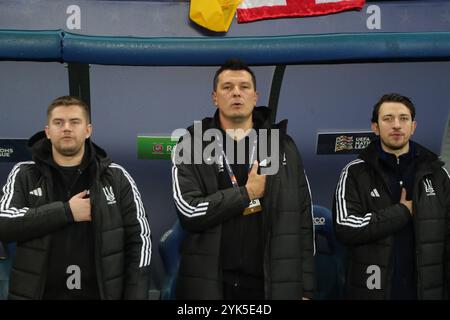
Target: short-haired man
{"points": [[392, 210], [78, 219], [235, 249]]}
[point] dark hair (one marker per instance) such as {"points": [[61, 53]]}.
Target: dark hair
{"points": [[393, 97], [66, 101], [233, 64]]}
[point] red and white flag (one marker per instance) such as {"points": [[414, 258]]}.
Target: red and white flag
{"points": [[252, 10]]}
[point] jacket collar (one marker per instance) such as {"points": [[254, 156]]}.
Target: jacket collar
{"points": [[425, 159], [41, 150], [261, 120]]}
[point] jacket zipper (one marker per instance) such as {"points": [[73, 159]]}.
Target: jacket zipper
{"points": [[43, 280], [416, 250], [266, 236], [388, 285], [419, 177], [50, 240], [44, 273], [96, 247], [388, 292]]}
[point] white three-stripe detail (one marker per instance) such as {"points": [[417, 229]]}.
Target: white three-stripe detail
{"points": [[8, 193], [342, 216], [146, 250], [184, 207]]}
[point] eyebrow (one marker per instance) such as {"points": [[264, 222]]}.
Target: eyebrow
{"points": [[241, 82], [391, 115], [62, 119]]}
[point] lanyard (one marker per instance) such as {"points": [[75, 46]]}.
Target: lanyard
{"points": [[230, 170]]}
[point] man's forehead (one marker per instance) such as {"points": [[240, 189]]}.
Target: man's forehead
{"points": [[72, 109], [393, 108], [235, 76], [67, 112]]}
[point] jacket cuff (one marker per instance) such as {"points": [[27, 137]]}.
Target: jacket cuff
{"points": [[68, 212]]}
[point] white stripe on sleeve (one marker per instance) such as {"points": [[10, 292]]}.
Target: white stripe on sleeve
{"points": [[185, 208], [8, 193], [342, 216], [146, 250]]}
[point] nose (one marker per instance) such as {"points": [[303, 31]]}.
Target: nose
{"points": [[236, 91], [67, 126], [397, 123]]}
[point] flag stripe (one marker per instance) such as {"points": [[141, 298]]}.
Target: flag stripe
{"points": [[249, 10]]}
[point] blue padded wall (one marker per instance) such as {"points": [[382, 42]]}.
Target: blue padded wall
{"points": [[30, 45]]}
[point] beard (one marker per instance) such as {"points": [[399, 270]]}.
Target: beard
{"points": [[238, 118], [394, 147], [68, 151]]}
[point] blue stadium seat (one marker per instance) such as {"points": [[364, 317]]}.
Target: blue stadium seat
{"points": [[329, 259], [6, 253], [169, 249]]}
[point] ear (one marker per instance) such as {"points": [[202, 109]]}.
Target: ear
{"points": [[88, 130], [214, 98], [375, 128], [46, 132], [414, 126], [256, 97]]}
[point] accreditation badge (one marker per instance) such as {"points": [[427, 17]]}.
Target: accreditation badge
{"points": [[253, 207]]}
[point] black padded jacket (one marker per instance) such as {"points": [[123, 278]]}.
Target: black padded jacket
{"points": [[29, 215], [287, 222], [366, 219]]}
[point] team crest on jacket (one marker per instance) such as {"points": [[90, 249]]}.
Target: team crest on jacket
{"points": [[429, 187], [109, 194]]}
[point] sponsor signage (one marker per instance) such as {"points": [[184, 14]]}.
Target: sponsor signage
{"points": [[155, 147], [14, 150], [343, 142]]}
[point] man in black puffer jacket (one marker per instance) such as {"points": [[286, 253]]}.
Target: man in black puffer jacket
{"points": [[235, 249], [78, 219], [392, 210]]}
